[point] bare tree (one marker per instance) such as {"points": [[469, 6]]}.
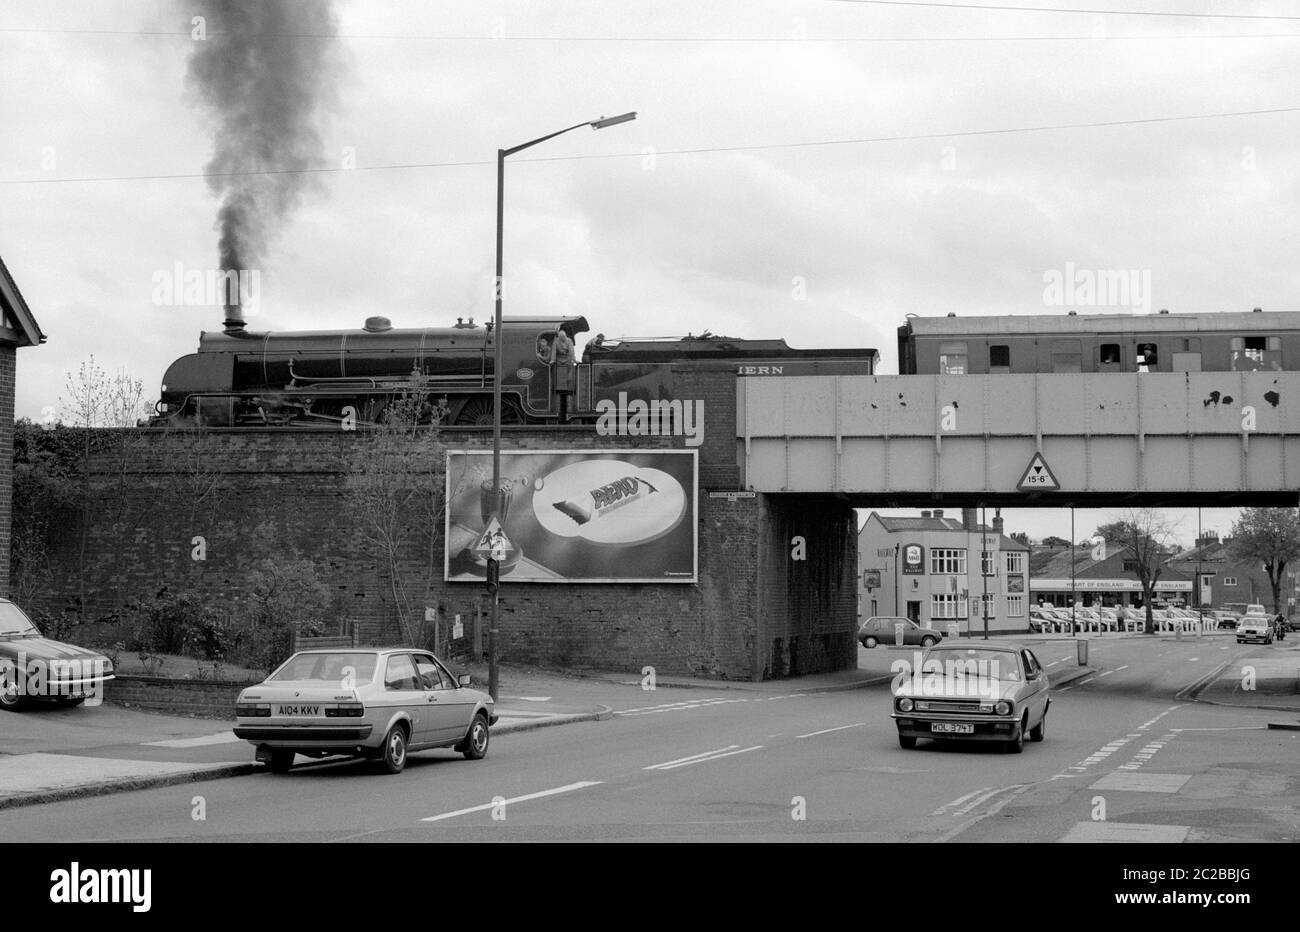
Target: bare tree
{"points": [[1268, 536], [396, 500], [1148, 537], [104, 409]]}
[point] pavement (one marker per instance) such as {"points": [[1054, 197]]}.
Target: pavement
{"points": [[48, 755]]}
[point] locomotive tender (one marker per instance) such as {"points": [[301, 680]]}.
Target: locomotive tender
{"points": [[306, 378]]}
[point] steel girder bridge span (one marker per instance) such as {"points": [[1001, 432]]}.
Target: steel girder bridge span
{"points": [[1167, 439]]}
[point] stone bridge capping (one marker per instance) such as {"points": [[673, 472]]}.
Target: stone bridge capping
{"points": [[1221, 432]]}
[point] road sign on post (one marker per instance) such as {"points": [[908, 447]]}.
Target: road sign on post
{"points": [[1038, 477]]}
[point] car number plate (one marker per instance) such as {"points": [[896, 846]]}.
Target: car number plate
{"points": [[946, 728], [299, 711]]}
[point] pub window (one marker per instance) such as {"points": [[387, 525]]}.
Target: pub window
{"points": [[1110, 354], [1230, 580], [1000, 356], [952, 359]]}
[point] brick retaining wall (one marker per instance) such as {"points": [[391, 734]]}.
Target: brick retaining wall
{"points": [[201, 698]]}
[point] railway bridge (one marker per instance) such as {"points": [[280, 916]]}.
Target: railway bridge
{"points": [[1161, 439]]}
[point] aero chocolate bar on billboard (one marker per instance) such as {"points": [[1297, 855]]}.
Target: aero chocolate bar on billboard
{"points": [[602, 500]]}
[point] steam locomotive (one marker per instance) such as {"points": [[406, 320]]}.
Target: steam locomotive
{"points": [[305, 378]]}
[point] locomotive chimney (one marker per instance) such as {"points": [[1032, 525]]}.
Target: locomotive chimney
{"points": [[234, 322]]}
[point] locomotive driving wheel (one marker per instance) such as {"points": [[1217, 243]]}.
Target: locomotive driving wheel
{"points": [[477, 411]]}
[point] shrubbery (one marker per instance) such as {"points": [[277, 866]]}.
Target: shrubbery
{"points": [[284, 596]]}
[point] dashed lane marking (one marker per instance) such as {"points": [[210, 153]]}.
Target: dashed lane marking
{"points": [[1146, 725], [959, 800], [729, 751], [827, 731], [583, 784]]}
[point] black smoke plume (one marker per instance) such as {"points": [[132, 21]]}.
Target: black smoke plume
{"points": [[266, 72]]}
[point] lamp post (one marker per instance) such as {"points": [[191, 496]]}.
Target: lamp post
{"points": [[493, 565]]}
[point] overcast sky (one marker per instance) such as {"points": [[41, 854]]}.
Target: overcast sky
{"points": [[791, 228]]}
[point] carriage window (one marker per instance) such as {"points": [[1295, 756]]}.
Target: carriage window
{"points": [[1147, 357], [1110, 354], [952, 359], [999, 358], [1251, 353]]}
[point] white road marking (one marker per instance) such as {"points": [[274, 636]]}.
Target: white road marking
{"points": [[529, 698], [959, 800], [692, 757], [827, 731], [517, 799], [678, 706], [985, 798], [1087, 681], [1224, 728], [1193, 659], [1158, 717], [673, 765], [225, 737], [1125, 667]]}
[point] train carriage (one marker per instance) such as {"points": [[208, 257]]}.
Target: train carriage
{"points": [[1161, 342]]}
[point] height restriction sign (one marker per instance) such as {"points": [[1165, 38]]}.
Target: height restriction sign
{"points": [[1038, 476]]}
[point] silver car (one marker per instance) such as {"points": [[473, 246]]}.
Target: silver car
{"points": [[993, 692], [380, 704]]}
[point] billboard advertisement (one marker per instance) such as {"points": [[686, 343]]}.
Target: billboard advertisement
{"points": [[573, 516]]}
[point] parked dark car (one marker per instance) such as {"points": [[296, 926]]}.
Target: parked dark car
{"points": [[34, 668], [879, 629]]}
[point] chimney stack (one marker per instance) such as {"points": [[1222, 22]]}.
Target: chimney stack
{"points": [[997, 520], [234, 322], [925, 514], [938, 512], [969, 519]]}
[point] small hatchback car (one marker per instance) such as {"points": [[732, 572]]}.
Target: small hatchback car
{"points": [[994, 692], [379, 704]]}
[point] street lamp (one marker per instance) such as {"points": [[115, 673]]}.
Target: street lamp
{"points": [[493, 565]]}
